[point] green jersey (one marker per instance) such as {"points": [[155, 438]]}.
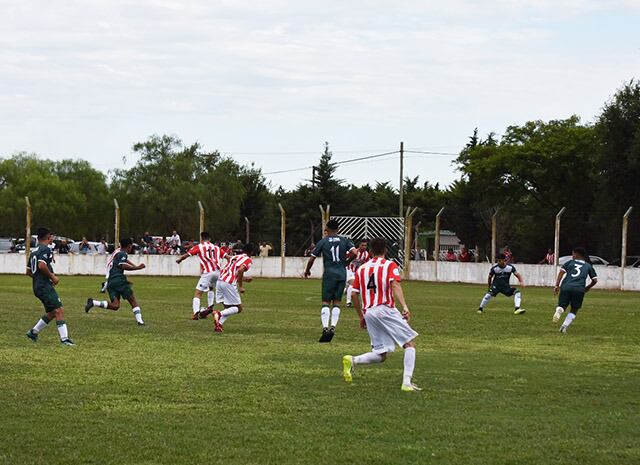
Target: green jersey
{"points": [[116, 272], [334, 250], [42, 254], [576, 277]]}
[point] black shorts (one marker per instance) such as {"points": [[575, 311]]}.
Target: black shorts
{"points": [[508, 291], [49, 298], [573, 298], [333, 287]]}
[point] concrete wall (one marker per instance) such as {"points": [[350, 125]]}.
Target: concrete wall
{"points": [[474, 273]]}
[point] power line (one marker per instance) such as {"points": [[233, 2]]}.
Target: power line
{"points": [[341, 162], [449, 154]]}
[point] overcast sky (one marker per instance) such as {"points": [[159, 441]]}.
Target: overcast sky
{"points": [[269, 81]]}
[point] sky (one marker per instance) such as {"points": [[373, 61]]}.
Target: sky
{"points": [[269, 82]]}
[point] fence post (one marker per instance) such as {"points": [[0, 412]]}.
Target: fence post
{"points": [[201, 208], [556, 240], [324, 213], [494, 236], [116, 224], [623, 257], [408, 241], [283, 234], [246, 229], [27, 244], [436, 252]]}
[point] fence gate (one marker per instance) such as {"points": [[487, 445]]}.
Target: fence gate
{"points": [[366, 227]]}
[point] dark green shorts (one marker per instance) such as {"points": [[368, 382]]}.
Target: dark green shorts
{"points": [[49, 298], [506, 290], [118, 289], [333, 287], [569, 297]]}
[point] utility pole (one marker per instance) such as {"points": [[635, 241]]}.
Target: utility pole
{"points": [[313, 177], [401, 209]]}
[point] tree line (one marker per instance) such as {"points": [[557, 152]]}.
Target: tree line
{"points": [[526, 175]]}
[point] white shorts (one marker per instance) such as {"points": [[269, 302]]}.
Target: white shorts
{"points": [[387, 328], [227, 294], [350, 276], [207, 281]]}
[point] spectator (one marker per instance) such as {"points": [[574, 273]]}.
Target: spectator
{"points": [[147, 242], [451, 256], [464, 256], [101, 248], [84, 246], [175, 242], [508, 255], [63, 247], [549, 258], [237, 247], [226, 250], [265, 248], [163, 247]]}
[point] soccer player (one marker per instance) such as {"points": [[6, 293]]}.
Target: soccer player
{"points": [[362, 255], [44, 280], [574, 286], [498, 283], [376, 284], [210, 256], [335, 251], [229, 286], [117, 284]]}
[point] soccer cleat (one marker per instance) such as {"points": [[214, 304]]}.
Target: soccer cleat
{"points": [[563, 329], [204, 312], [326, 337], [31, 335], [88, 306], [558, 314], [332, 332], [480, 311], [347, 368], [519, 311], [141, 324], [218, 328], [68, 342], [196, 316], [410, 387], [349, 304]]}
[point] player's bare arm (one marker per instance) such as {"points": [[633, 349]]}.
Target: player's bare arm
{"points": [[307, 271], [520, 279], [561, 274], [357, 306], [44, 269], [398, 294], [241, 277], [489, 281], [182, 258], [593, 282], [128, 266]]}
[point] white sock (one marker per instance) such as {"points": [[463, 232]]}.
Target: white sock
{"points": [[485, 300], [210, 298], [368, 358], [62, 330], [40, 325], [324, 316], [335, 316], [409, 365], [349, 289], [100, 303], [195, 306], [569, 319], [517, 299], [227, 312], [137, 314]]}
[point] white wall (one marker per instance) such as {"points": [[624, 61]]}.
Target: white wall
{"points": [[450, 272]]}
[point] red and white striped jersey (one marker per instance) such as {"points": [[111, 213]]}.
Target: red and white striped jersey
{"points": [[110, 260], [210, 256], [373, 282], [362, 256], [230, 272]]}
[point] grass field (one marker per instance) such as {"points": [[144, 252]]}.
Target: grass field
{"points": [[499, 388]]}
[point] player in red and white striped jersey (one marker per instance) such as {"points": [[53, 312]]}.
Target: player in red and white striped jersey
{"points": [[377, 283], [210, 256], [229, 286], [362, 256]]}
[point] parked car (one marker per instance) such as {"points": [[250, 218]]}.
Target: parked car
{"points": [[595, 260], [20, 243], [631, 261], [6, 244]]}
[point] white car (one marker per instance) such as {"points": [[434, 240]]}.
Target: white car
{"points": [[595, 260]]}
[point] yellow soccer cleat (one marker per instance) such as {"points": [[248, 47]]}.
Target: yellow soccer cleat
{"points": [[410, 388], [347, 368]]}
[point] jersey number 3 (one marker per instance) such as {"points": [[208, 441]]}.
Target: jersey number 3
{"points": [[576, 270]]}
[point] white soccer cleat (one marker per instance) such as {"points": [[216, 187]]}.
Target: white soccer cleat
{"points": [[558, 314]]}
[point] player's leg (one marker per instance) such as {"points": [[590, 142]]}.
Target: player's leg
{"points": [[232, 302], [564, 299], [517, 301], [41, 324], [349, 288], [409, 366], [135, 308], [576, 304], [195, 303], [380, 344], [485, 300], [62, 327]]}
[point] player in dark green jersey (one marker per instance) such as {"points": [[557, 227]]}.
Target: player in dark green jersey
{"points": [[574, 286], [499, 283], [117, 284], [335, 251], [44, 280]]}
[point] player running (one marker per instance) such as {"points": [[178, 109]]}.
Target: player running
{"points": [[376, 284], [44, 280], [574, 286], [117, 284], [229, 286], [210, 256], [362, 255], [498, 283], [335, 251]]}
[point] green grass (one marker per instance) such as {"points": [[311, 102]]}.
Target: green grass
{"points": [[500, 389]]}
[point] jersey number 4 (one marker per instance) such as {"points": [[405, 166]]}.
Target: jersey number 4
{"points": [[372, 283]]}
